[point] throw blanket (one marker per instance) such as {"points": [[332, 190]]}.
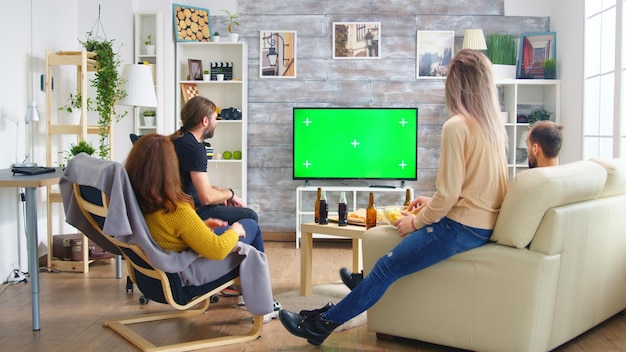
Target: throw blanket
{"points": [[126, 223]]}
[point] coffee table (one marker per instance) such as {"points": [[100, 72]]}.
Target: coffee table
{"points": [[306, 250]]}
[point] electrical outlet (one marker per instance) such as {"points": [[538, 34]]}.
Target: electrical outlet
{"points": [[255, 207]]}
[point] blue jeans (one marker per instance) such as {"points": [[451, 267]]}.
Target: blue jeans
{"points": [[427, 246], [253, 233]]}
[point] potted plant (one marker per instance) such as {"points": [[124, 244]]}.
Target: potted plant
{"points": [[75, 149], [206, 75], [149, 117], [74, 109], [231, 20], [501, 50], [549, 68], [150, 48], [216, 37], [219, 73], [109, 87], [538, 115]]}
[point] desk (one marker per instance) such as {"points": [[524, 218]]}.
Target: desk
{"points": [[31, 183], [306, 252]]}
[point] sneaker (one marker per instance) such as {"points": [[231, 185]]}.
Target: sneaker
{"points": [[269, 316], [240, 301], [350, 279], [230, 292]]}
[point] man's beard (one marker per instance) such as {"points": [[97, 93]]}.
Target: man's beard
{"points": [[208, 133], [532, 161]]}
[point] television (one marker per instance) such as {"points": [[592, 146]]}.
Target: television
{"points": [[354, 143]]}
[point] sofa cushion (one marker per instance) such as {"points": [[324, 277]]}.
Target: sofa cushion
{"points": [[534, 191], [615, 178]]}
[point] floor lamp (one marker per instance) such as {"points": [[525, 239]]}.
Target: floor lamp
{"points": [[32, 115]]}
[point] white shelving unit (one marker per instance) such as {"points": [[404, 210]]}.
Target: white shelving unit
{"points": [[522, 97], [332, 194], [149, 23], [230, 135]]}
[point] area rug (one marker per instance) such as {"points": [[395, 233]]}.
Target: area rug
{"points": [[322, 294]]}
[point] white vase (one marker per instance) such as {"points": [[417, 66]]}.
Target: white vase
{"points": [[233, 37], [150, 49], [219, 76], [149, 120], [216, 39], [504, 71], [73, 118], [206, 77]]}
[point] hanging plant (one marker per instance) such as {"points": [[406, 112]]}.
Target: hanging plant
{"points": [[109, 87]]}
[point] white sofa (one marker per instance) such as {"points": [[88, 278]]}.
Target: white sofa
{"points": [[556, 267]]}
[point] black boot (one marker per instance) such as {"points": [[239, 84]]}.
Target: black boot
{"points": [[350, 279], [309, 324]]}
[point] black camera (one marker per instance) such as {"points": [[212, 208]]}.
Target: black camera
{"points": [[231, 114]]}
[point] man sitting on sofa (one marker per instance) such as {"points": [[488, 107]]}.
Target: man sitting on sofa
{"points": [[544, 140]]}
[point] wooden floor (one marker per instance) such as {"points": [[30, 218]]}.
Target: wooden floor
{"points": [[74, 306]]}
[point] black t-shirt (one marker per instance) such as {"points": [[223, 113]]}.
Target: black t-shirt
{"points": [[191, 157]]}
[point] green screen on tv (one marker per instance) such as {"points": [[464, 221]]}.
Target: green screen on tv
{"points": [[355, 143]]}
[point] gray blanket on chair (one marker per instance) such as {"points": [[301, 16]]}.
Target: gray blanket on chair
{"points": [[126, 223]]}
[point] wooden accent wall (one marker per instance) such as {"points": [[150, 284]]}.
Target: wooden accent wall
{"points": [[322, 81]]}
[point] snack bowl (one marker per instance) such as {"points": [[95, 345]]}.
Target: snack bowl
{"points": [[393, 213]]}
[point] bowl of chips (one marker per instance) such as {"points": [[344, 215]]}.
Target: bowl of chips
{"points": [[393, 212]]}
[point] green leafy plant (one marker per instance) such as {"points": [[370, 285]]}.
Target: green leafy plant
{"points": [[206, 72], [149, 113], [74, 102], [501, 49], [216, 34], [148, 40], [549, 64], [109, 87], [75, 149], [538, 115], [231, 20]]}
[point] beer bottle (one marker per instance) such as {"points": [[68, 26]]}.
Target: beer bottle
{"points": [[343, 210], [317, 205], [323, 209], [407, 198], [370, 213]]}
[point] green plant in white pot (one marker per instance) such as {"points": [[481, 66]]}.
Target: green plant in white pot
{"points": [[502, 51], [73, 107]]}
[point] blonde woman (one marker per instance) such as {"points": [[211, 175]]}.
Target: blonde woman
{"points": [[471, 182]]}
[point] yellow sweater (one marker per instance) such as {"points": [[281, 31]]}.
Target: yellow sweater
{"points": [[183, 229], [472, 179]]}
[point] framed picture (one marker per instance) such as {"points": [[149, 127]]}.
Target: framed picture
{"points": [[534, 49], [195, 70], [189, 90], [277, 57], [434, 52], [191, 24], [356, 40]]}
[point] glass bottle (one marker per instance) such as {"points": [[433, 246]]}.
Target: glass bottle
{"points": [[323, 209], [370, 213], [342, 210], [317, 205], [407, 198]]}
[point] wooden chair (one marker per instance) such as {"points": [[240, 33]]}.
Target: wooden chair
{"points": [[159, 286]]}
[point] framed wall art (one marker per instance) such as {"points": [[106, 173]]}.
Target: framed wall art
{"points": [[356, 40], [277, 57], [191, 24], [535, 48], [434, 52], [195, 70]]}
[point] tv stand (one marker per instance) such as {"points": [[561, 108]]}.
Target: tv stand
{"points": [[307, 208]]}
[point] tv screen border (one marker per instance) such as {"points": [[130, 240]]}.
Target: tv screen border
{"points": [[299, 178]]}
